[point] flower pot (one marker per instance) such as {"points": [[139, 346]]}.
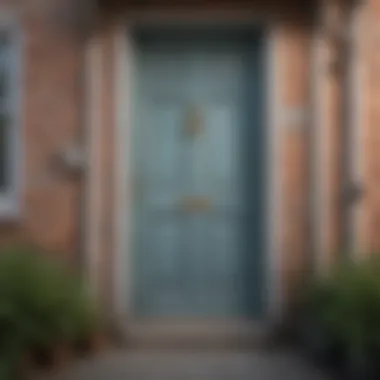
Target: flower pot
{"points": [[25, 366], [360, 366], [61, 354], [54, 357], [98, 342], [94, 343], [321, 347]]}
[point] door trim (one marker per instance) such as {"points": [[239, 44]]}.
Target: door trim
{"points": [[125, 73]]}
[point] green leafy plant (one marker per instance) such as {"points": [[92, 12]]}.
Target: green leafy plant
{"points": [[41, 303], [346, 304]]}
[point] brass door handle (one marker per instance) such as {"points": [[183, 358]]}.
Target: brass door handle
{"points": [[195, 121], [195, 204]]}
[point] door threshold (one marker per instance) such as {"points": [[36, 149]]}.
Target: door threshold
{"points": [[171, 333]]}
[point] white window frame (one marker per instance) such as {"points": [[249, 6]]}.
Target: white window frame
{"points": [[10, 198]]}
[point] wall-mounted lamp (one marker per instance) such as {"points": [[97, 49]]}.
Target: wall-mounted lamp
{"points": [[72, 159]]}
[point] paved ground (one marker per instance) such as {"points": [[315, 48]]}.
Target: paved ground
{"points": [[196, 365]]}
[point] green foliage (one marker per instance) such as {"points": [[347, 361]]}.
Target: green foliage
{"points": [[41, 303], [346, 304]]}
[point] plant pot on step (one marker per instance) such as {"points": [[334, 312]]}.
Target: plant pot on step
{"points": [[61, 355], [26, 366], [92, 344], [41, 357], [360, 366], [321, 347], [99, 342], [54, 357]]}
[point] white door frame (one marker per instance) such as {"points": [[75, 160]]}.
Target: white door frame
{"points": [[125, 73]]}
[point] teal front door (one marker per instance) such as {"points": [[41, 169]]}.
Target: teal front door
{"points": [[199, 176]]}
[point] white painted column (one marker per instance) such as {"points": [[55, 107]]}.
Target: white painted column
{"points": [[274, 253], [124, 77]]}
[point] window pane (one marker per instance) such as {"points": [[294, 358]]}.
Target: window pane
{"points": [[4, 38], [3, 84], [5, 111], [4, 67], [5, 96], [4, 146]]}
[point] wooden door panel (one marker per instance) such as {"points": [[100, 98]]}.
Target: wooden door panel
{"points": [[192, 248]]}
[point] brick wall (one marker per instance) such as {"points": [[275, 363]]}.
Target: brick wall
{"points": [[365, 153], [294, 253], [52, 87], [370, 227]]}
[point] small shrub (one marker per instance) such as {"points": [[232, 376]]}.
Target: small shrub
{"points": [[41, 304], [346, 305]]}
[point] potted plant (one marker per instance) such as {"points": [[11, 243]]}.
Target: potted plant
{"points": [[319, 331], [344, 310], [360, 323], [89, 335], [43, 309]]}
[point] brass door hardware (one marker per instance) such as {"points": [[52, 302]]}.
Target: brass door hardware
{"points": [[195, 204], [195, 121]]}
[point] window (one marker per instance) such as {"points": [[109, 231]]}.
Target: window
{"points": [[9, 123]]}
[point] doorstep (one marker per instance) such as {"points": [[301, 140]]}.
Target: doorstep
{"points": [[174, 333]]}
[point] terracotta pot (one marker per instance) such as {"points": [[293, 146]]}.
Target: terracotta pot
{"points": [[53, 358], [92, 344], [41, 357], [26, 366], [98, 342], [60, 355], [362, 367]]}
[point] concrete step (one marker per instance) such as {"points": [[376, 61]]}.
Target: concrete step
{"points": [[195, 334]]}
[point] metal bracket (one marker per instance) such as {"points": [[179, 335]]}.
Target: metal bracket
{"points": [[353, 192]]}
